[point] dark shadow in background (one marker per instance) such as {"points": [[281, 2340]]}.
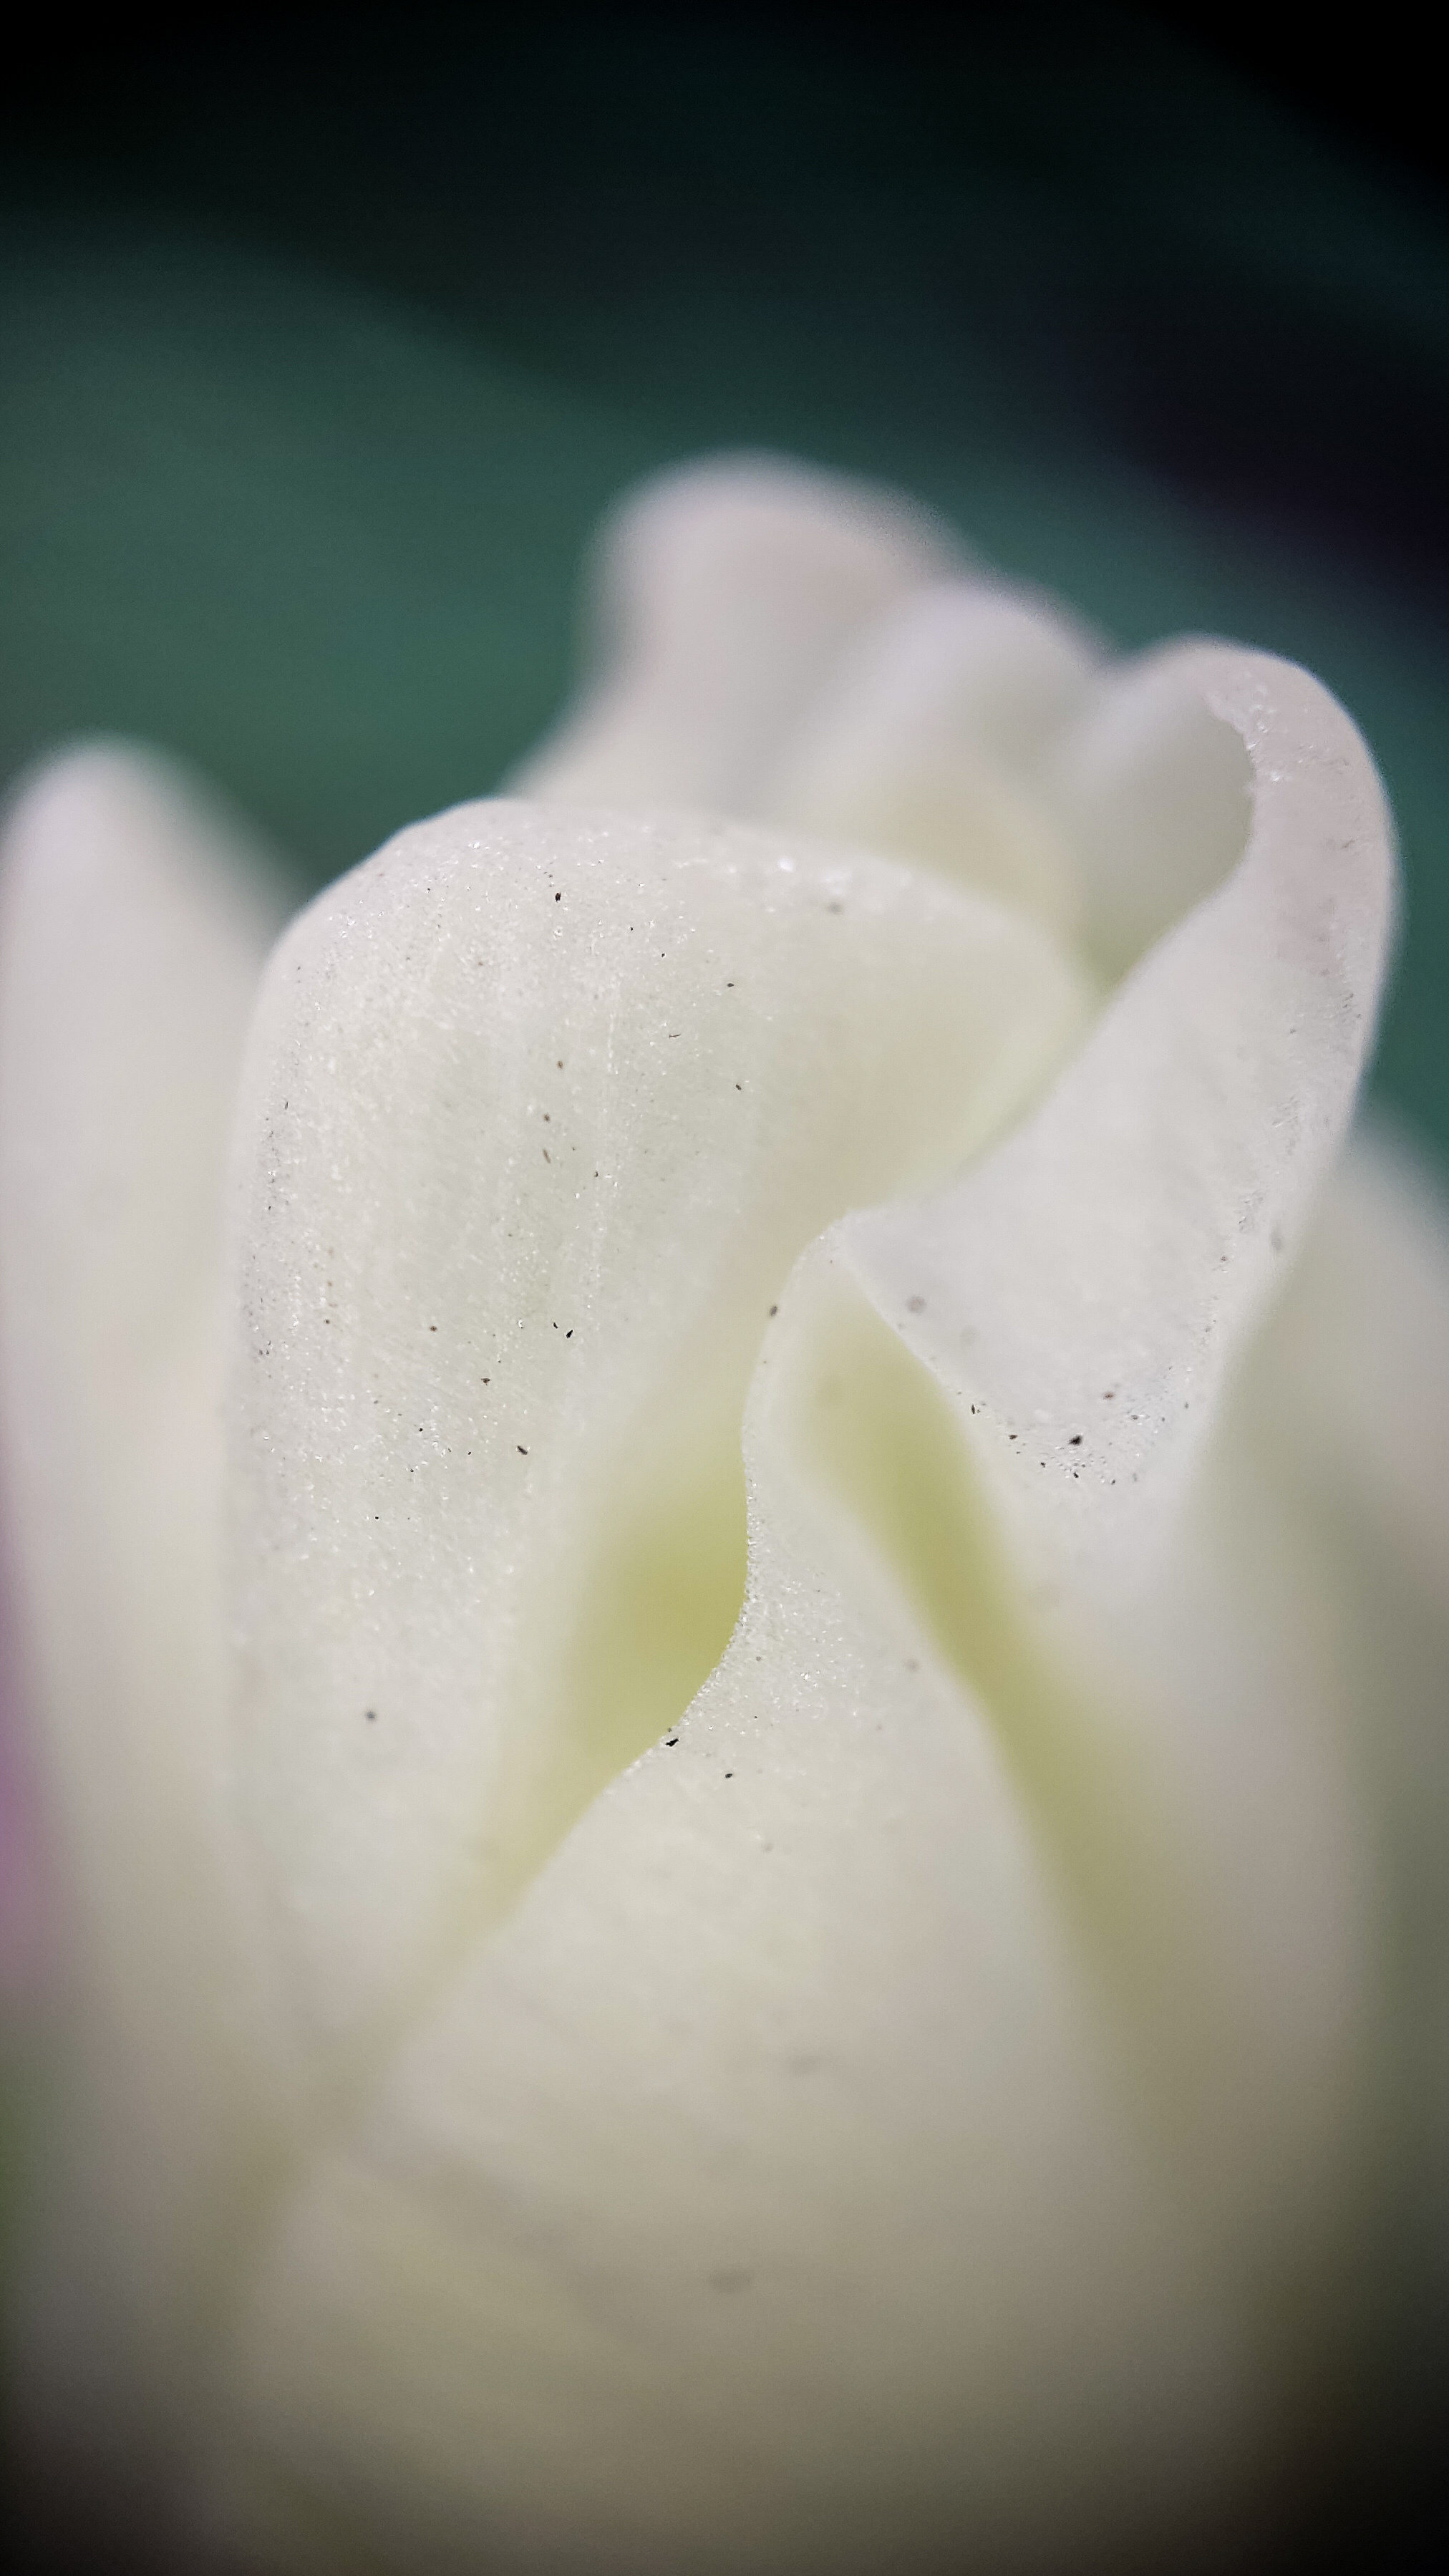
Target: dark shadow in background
{"points": [[329, 334], [326, 336]]}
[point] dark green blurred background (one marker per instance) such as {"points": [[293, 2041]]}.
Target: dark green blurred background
{"points": [[325, 337]]}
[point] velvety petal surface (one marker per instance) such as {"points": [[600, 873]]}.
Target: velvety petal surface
{"points": [[539, 1110], [1345, 1411]]}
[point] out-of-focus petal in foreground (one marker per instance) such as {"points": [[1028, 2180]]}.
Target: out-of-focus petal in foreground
{"points": [[132, 934]]}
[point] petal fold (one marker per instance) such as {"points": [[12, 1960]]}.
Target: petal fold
{"points": [[539, 1110], [1084, 1293]]}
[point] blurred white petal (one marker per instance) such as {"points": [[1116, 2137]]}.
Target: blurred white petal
{"points": [[931, 739], [133, 932], [726, 594], [887, 2035]]}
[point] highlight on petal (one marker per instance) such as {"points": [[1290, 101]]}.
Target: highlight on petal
{"points": [[133, 923], [1180, 1719], [726, 594], [539, 1110]]}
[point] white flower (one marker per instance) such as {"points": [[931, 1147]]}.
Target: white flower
{"points": [[580, 2056]]}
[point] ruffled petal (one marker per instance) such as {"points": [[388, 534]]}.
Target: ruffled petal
{"points": [[775, 2190], [539, 1111], [921, 2104], [1084, 1294]]}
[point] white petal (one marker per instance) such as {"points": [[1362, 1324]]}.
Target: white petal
{"points": [[1154, 800], [1087, 1290], [921, 2100], [1181, 1717], [811, 2170], [931, 741], [774, 2190], [539, 1111], [726, 595], [131, 939], [1346, 1408], [1356, 1369]]}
